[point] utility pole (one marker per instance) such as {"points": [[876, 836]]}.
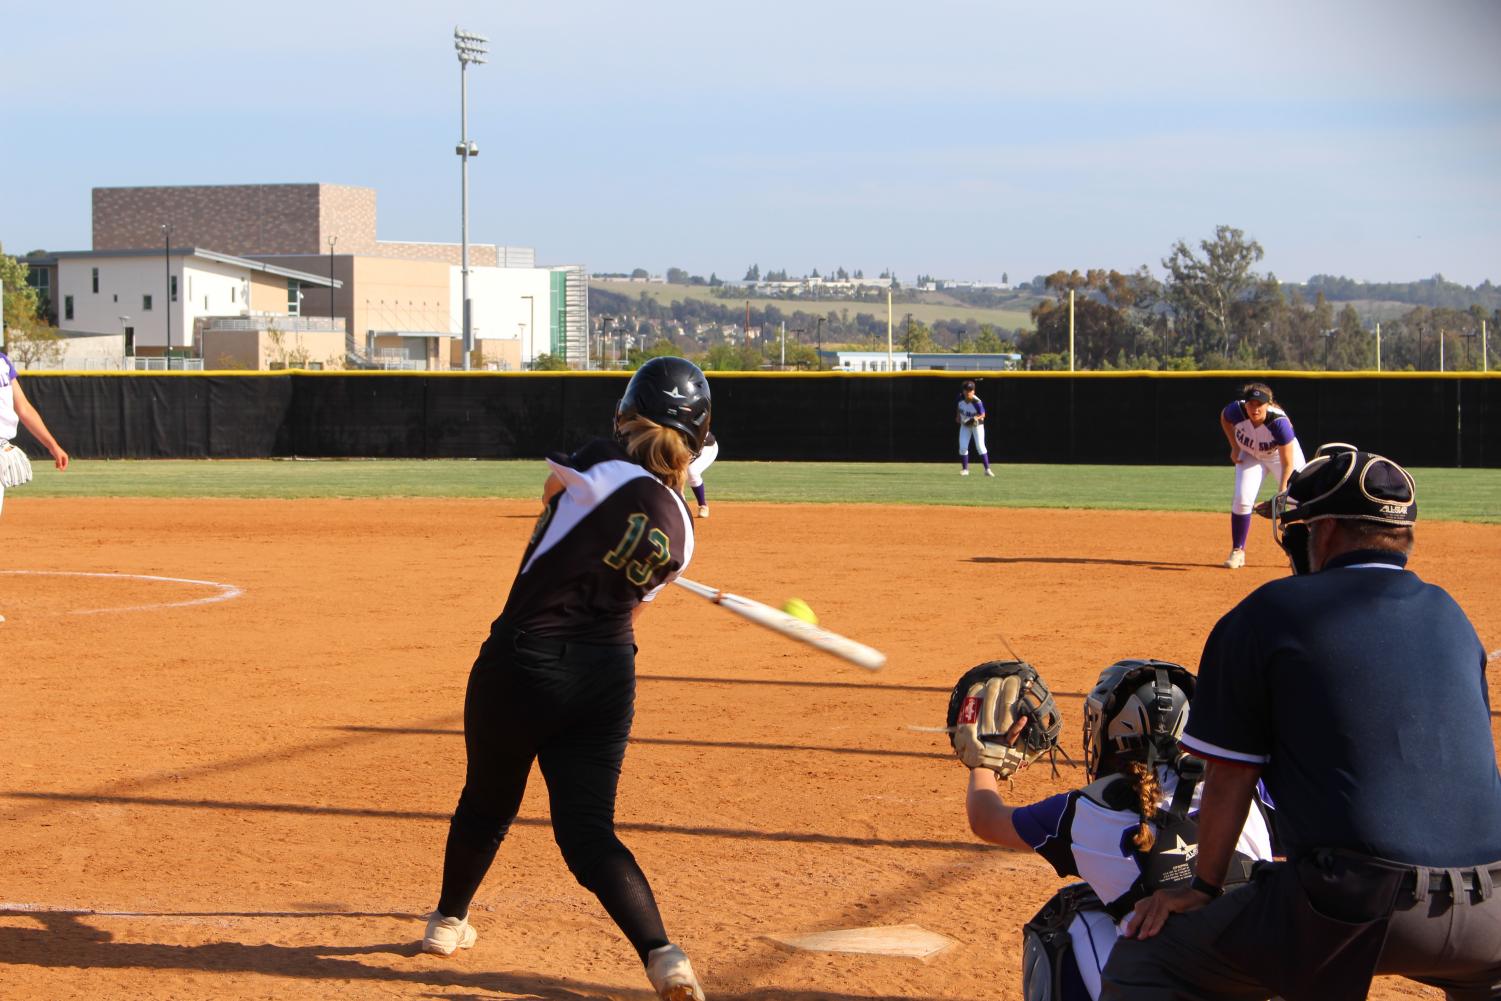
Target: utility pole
{"points": [[471, 49], [167, 305], [1070, 330]]}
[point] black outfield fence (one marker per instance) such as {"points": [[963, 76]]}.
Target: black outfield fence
{"points": [[1420, 419]]}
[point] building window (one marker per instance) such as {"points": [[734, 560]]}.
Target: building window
{"points": [[172, 287], [96, 281], [146, 302], [67, 307], [294, 298], [231, 293]]}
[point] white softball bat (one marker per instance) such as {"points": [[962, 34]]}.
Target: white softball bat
{"points": [[789, 625]]}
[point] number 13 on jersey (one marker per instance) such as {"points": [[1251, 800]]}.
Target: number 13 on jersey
{"points": [[639, 572]]}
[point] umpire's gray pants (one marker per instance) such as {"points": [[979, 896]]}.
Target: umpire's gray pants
{"points": [[1432, 940]]}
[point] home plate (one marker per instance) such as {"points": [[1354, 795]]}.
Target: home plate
{"points": [[912, 941]]}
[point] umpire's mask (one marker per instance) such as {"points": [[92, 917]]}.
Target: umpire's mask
{"points": [[1341, 482]]}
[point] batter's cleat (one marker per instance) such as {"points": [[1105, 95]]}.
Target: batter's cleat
{"points": [[703, 510], [671, 975], [990, 472], [445, 936], [964, 472], [1236, 559]]}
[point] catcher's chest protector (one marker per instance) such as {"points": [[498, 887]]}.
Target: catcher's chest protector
{"points": [[1173, 858]]}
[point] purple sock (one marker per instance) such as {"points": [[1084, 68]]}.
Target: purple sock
{"points": [[698, 492], [964, 461], [985, 458], [1240, 528]]}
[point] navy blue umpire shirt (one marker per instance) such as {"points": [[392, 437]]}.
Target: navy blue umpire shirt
{"points": [[1360, 690]]}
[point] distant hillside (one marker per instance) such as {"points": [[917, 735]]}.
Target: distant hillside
{"points": [[1435, 292], [701, 303]]}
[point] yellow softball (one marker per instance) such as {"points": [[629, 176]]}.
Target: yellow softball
{"points": [[799, 609]]}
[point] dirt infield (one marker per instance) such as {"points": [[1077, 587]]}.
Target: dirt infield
{"points": [[246, 796]]}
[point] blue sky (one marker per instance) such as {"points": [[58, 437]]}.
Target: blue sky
{"points": [[961, 139]]}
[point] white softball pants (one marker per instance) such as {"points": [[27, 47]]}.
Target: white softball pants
{"points": [[966, 432], [704, 461], [1250, 471]]}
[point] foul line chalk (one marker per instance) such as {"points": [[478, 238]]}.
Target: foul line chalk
{"points": [[226, 591]]}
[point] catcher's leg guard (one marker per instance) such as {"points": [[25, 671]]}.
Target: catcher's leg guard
{"points": [[1049, 969]]}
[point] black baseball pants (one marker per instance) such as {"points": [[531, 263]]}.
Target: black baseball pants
{"points": [[569, 707]]}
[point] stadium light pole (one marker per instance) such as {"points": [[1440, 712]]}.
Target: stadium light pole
{"points": [[471, 49], [167, 302]]}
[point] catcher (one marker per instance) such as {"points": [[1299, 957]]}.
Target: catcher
{"points": [[1131, 830]]}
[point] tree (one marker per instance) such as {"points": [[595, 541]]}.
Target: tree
{"points": [[986, 341], [640, 273], [1203, 291], [916, 337], [753, 273], [714, 281], [677, 276], [549, 363], [34, 344], [21, 303], [1005, 279], [1107, 324]]}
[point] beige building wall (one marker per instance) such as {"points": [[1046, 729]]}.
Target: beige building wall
{"points": [[272, 349], [268, 293], [392, 295]]}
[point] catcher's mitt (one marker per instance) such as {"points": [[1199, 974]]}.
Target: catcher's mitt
{"points": [[972, 421], [1264, 509], [15, 468], [1002, 717]]}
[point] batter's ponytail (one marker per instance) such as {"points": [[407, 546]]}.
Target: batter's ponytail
{"points": [[1148, 792], [660, 450]]}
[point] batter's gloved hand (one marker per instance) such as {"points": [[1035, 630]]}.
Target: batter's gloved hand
{"points": [[15, 468], [1002, 717]]}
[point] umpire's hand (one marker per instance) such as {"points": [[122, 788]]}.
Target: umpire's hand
{"points": [[1152, 912]]}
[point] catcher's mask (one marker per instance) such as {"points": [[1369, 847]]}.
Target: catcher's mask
{"points": [[1135, 712], [673, 392], [1341, 482]]}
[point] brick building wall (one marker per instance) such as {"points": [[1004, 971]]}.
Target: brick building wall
{"points": [[240, 219]]}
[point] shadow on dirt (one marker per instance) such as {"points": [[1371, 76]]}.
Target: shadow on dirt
{"points": [[66, 940]]}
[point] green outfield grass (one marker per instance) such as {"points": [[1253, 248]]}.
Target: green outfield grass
{"points": [[923, 312], [1444, 494]]}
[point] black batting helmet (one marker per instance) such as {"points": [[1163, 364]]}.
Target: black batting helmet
{"points": [[1341, 482], [672, 392], [1135, 712]]}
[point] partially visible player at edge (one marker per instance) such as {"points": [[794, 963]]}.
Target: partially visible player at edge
{"points": [[696, 469], [16, 411], [970, 416], [1261, 440], [555, 681]]}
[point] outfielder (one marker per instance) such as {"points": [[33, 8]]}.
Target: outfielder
{"points": [[16, 411], [1130, 831], [1356, 694], [1261, 440], [696, 472], [970, 416], [555, 682]]}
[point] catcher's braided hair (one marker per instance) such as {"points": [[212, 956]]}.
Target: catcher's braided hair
{"points": [[1148, 792]]}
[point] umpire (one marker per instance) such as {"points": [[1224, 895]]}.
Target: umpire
{"points": [[1356, 692]]}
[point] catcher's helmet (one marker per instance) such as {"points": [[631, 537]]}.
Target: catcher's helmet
{"points": [[1135, 712], [673, 392], [1341, 482]]}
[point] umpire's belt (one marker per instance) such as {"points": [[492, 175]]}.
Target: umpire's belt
{"points": [[1418, 881]]}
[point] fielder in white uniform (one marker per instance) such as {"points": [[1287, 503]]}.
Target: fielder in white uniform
{"points": [[970, 416], [1261, 440], [696, 472], [16, 411]]}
